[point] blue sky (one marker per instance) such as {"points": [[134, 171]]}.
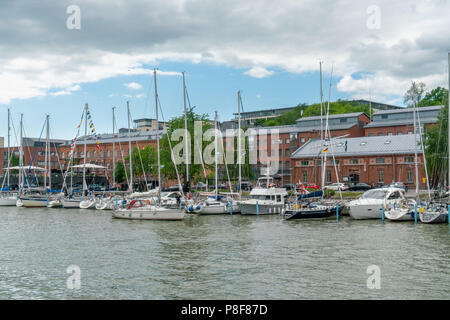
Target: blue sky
{"points": [[56, 55], [210, 87]]}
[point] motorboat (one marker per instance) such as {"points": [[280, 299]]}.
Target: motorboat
{"points": [[370, 204], [210, 205], [264, 200], [309, 211]]}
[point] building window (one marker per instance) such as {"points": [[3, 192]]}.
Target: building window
{"points": [[399, 133], [381, 176], [95, 154], [370, 134], [305, 163], [280, 141], [389, 133], [410, 132], [335, 162], [409, 176], [380, 134], [409, 159], [353, 161], [384, 116], [379, 160], [75, 155], [280, 165], [88, 154], [115, 153], [108, 153], [302, 140], [62, 155], [343, 120], [288, 165], [280, 153], [286, 152], [328, 176], [288, 140], [305, 177]]}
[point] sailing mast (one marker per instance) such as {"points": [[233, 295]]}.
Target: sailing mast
{"points": [[239, 141], [157, 139], [129, 149], [47, 148], [448, 120], [215, 150], [187, 182], [84, 154], [21, 155], [114, 148], [415, 152], [9, 150]]}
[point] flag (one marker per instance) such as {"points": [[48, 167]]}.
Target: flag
{"points": [[325, 150], [345, 145]]}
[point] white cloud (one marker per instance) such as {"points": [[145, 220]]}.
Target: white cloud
{"points": [[45, 58], [258, 72], [133, 86], [141, 95]]}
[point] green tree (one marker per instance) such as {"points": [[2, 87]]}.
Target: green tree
{"points": [[436, 147], [435, 97], [414, 94], [167, 166], [120, 172]]}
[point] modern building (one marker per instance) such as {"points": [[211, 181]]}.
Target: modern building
{"points": [[401, 121], [147, 124], [249, 118], [377, 160]]}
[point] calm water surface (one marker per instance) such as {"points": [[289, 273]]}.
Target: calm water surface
{"points": [[217, 257]]}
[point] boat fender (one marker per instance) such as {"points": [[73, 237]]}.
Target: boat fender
{"points": [[191, 208]]}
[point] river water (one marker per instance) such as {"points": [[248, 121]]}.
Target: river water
{"points": [[218, 257]]}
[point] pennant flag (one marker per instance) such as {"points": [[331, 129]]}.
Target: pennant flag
{"points": [[326, 149]]}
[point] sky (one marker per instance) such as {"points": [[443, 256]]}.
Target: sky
{"points": [[55, 56]]}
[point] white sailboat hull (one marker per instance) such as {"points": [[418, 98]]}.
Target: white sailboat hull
{"points": [[149, 214], [365, 211], [262, 208], [71, 203], [34, 202], [8, 201], [87, 204]]}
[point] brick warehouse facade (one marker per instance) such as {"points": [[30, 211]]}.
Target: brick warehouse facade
{"points": [[374, 160], [290, 139]]}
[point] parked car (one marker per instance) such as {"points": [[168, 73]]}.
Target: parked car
{"points": [[400, 185], [337, 186], [360, 187], [289, 186]]}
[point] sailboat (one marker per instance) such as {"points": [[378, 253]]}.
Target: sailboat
{"points": [[142, 209], [42, 197], [310, 209], [6, 197], [437, 212]]}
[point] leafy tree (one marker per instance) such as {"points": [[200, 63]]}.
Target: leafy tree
{"points": [[195, 170], [414, 94], [435, 97], [120, 172], [436, 147]]}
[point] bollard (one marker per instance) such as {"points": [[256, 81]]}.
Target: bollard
{"points": [[382, 212], [415, 213], [231, 207], [337, 212], [257, 208]]}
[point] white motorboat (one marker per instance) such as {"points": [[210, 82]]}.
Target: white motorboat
{"points": [[264, 200], [370, 204], [402, 210], [141, 210]]}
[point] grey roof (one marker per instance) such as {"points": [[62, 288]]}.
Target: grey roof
{"points": [[297, 129], [118, 137], [265, 110], [431, 108], [361, 146], [333, 116], [399, 122]]}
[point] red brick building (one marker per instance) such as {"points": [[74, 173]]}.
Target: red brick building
{"points": [[377, 160]]}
